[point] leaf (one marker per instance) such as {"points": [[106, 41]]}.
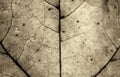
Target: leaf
{"points": [[29, 39], [89, 38], [59, 38]]}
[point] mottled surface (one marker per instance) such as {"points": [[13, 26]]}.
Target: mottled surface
{"points": [[59, 38], [90, 37], [32, 37]]}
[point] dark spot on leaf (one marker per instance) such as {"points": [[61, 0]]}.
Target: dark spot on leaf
{"points": [[77, 61], [67, 36], [18, 3], [15, 2], [78, 21], [50, 9], [26, 6], [115, 7], [98, 23], [13, 16], [63, 31], [23, 24], [83, 42], [72, 0], [112, 50], [47, 41], [2, 22], [78, 27], [108, 10], [106, 2], [91, 59], [109, 17], [37, 50], [39, 60], [16, 35]]}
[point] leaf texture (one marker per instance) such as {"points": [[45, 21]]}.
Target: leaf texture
{"points": [[59, 38]]}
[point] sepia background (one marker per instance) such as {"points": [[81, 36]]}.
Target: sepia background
{"points": [[59, 38]]}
